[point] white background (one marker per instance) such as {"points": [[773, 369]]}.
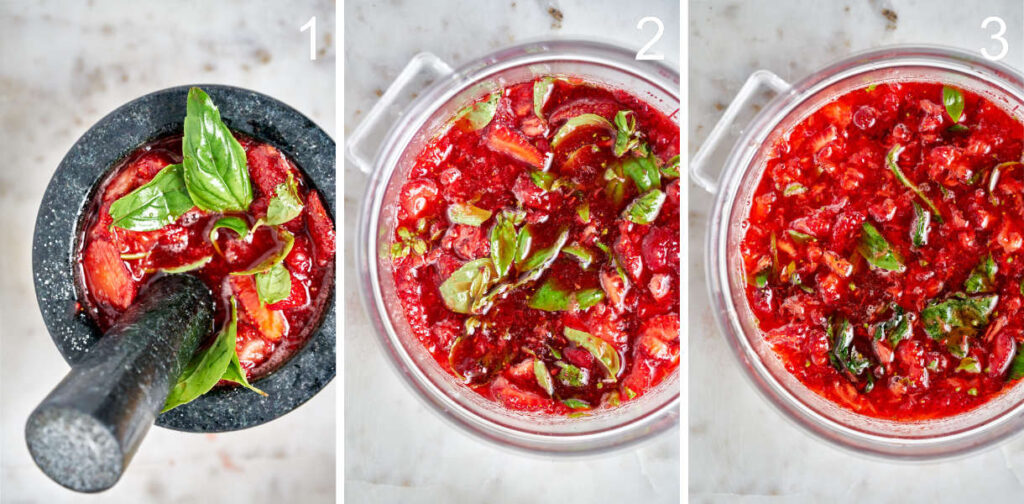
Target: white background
{"points": [[742, 450], [63, 66], [396, 450]]}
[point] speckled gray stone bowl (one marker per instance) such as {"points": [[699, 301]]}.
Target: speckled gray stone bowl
{"points": [[72, 187]]}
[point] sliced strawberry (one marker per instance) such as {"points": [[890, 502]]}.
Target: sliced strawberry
{"points": [[606, 108], [659, 337], [298, 298], [268, 168], [513, 144], [300, 258], [271, 324], [147, 166], [417, 197], [320, 228], [1004, 347], [252, 349], [106, 275], [515, 398]]}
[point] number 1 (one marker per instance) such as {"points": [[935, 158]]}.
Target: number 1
{"points": [[311, 26]]}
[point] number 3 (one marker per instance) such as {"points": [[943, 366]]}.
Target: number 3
{"points": [[642, 53], [998, 36]]}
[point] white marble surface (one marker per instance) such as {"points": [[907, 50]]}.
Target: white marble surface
{"points": [[741, 450], [63, 65], [396, 450]]}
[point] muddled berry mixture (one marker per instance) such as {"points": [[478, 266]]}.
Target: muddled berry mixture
{"points": [[885, 250], [536, 253]]}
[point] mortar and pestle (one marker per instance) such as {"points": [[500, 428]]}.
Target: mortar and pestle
{"points": [[85, 432]]}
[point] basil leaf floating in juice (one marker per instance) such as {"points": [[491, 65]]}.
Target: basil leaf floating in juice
{"points": [[571, 376], [480, 114], [543, 258], [155, 204], [583, 211], [953, 100], [215, 165], [540, 371], [877, 251], [896, 328], [627, 137], [982, 278], [842, 354], [542, 179], [234, 372], [958, 315], [643, 171], [236, 224], [463, 287], [285, 205], [468, 214], [541, 92], [794, 189], [584, 256], [599, 348], [192, 266], [588, 297], [890, 161], [580, 121], [287, 242], [550, 297], [524, 243], [920, 226], [969, 365], [671, 169], [644, 209], [799, 237], [206, 368], [274, 284], [1016, 365], [503, 244], [576, 403]]}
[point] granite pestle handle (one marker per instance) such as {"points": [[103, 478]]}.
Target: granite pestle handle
{"points": [[86, 431]]}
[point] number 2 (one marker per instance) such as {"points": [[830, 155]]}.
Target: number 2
{"points": [[642, 54], [998, 36], [311, 26]]}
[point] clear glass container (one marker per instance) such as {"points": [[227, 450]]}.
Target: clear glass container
{"points": [[413, 125], [930, 439]]}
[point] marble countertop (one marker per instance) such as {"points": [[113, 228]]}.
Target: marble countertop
{"points": [[65, 65], [396, 450], [741, 449]]}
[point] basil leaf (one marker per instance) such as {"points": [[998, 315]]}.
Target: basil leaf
{"points": [[503, 244], [543, 258], [549, 297], [957, 316], [890, 160], [794, 189], [480, 113], [540, 371], [588, 297], [275, 258], [1017, 366], [215, 166], [599, 348], [274, 284], [236, 224], [523, 244], [877, 251], [969, 365], [644, 209], [155, 204], [470, 215], [800, 237], [571, 376], [897, 328], [671, 169], [953, 100], [541, 91], [627, 138], [580, 121], [982, 277], [207, 367], [584, 256], [192, 266], [467, 284], [842, 354], [584, 212], [576, 403], [234, 373], [643, 171], [958, 128], [921, 226], [615, 189], [542, 179], [285, 205]]}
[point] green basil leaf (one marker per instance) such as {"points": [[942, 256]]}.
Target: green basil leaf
{"points": [[969, 365], [542, 179], [274, 284], [957, 316], [467, 284], [584, 212], [503, 244], [274, 259], [842, 354], [285, 205], [236, 224], [207, 367], [606, 354], [584, 256], [877, 251], [543, 258], [571, 376], [155, 204], [671, 169], [465, 213], [215, 166], [958, 128], [588, 297], [580, 121], [192, 266], [549, 297], [890, 160], [921, 226], [794, 189], [953, 100], [982, 277], [644, 209], [643, 171], [541, 91], [524, 243], [576, 403], [627, 138], [480, 113], [540, 371], [896, 329], [1016, 365], [234, 373], [800, 237]]}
